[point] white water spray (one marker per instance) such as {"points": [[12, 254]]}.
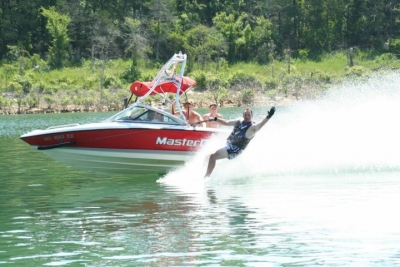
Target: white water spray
{"points": [[354, 128]]}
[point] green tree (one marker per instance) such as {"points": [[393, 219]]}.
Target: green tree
{"points": [[136, 46], [161, 20], [104, 46], [80, 30], [205, 44], [232, 29], [20, 57], [9, 71], [21, 25], [355, 21], [57, 25], [259, 40]]}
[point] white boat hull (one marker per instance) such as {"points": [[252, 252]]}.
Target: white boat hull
{"points": [[119, 161]]}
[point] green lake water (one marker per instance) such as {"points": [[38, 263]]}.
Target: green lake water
{"points": [[318, 186]]}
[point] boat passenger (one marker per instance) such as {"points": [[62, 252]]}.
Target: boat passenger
{"points": [[191, 116], [212, 114], [242, 133]]}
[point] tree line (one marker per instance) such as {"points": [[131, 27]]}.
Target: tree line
{"points": [[65, 32]]}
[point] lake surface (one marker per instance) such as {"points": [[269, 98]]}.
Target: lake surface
{"points": [[318, 186]]}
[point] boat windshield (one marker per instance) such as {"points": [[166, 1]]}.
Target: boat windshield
{"points": [[143, 114]]}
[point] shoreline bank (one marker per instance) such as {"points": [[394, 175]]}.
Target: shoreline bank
{"points": [[259, 101]]}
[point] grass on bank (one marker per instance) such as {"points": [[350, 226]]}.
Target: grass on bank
{"points": [[27, 85]]}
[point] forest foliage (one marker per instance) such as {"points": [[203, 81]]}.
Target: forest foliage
{"points": [[45, 45]]}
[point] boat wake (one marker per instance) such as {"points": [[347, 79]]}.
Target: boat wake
{"points": [[353, 128], [193, 171]]}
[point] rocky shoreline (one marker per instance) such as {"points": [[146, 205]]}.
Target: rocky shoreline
{"points": [[261, 101], [198, 98]]}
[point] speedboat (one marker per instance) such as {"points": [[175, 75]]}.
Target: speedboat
{"points": [[143, 138]]}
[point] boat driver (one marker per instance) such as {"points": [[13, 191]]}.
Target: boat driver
{"points": [[153, 116]]}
